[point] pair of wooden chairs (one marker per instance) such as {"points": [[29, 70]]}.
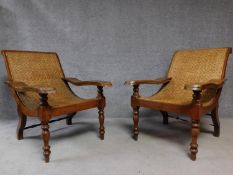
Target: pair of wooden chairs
{"points": [[191, 87]]}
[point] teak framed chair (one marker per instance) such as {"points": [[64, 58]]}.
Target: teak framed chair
{"points": [[41, 90], [192, 87]]}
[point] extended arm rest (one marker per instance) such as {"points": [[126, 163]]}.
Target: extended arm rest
{"points": [[78, 82], [212, 84], [23, 87], [157, 81]]}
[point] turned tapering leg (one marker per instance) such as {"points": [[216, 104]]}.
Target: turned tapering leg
{"points": [[195, 132], [165, 117], [100, 107], [101, 123], [46, 137], [21, 125], [215, 119], [69, 118], [135, 121]]}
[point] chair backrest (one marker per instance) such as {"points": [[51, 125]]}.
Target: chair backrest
{"points": [[199, 65], [32, 67]]}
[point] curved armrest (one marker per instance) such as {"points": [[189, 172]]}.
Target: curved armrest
{"points": [[212, 84], [157, 81], [23, 87], [78, 82]]}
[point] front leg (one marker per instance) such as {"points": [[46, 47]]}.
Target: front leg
{"points": [[46, 137], [100, 107], [101, 122], [195, 123], [135, 111], [135, 121], [195, 132], [44, 114]]}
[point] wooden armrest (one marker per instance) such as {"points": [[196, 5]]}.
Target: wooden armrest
{"points": [[23, 87], [212, 84], [78, 82], [157, 81]]}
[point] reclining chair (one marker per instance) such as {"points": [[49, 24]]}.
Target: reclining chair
{"points": [[41, 90], [192, 87]]}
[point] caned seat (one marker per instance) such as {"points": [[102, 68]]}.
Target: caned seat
{"points": [[42, 90], [179, 97], [62, 98], [192, 87]]}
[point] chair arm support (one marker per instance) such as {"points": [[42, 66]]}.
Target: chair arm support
{"points": [[139, 82], [78, 82], [212, 84], [23, 87]]}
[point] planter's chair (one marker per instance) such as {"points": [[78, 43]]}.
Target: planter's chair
{"points": [[41, 90], [192, 87]]}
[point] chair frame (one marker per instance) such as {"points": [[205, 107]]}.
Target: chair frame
{"points": [[195, 111], [45, 112]]}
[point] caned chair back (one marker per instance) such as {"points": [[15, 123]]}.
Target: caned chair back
{"points": [[200, 65], [38, 69], [194, 66], [32, 67]]}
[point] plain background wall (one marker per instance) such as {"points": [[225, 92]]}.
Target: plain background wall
{"points": [[115, 40]]}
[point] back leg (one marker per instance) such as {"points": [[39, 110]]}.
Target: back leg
{"points": [[69, 118], [21, 125], [165, 117], [215, 119]]}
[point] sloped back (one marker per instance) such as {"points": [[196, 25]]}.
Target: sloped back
{"points": [[200, 65], [193, 66], [32, 67], [38, 68]]}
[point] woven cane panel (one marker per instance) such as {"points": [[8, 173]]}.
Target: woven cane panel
{"points": [[40, 69], [192, 66], [32, 67], [62, 97]]}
